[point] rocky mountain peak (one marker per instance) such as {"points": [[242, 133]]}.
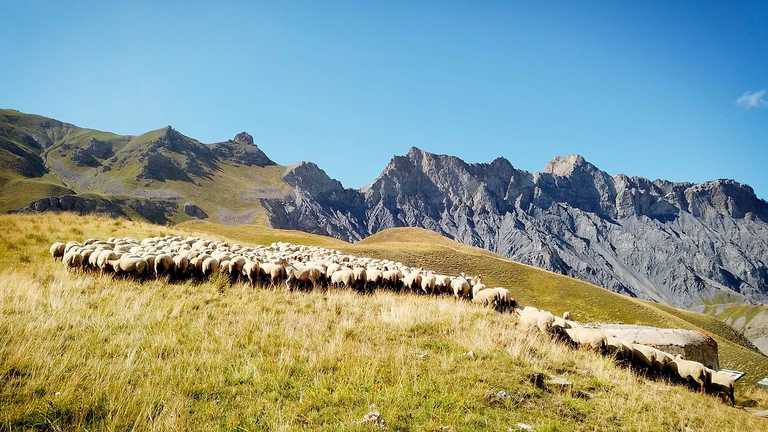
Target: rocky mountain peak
{"points": [[242, 150], [725, 196], [564, 166], [414, 153], [308, 177], [243, 138]]}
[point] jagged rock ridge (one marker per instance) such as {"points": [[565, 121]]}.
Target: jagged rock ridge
{"points": [[677, 243]]}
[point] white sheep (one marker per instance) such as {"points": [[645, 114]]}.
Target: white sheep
{"points": [[692, 372], [722, 384], [589, 338], [57, 249], [274, 271], [498, 298], [477, 286], [460, 286]]}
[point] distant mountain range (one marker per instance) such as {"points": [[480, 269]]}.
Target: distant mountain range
{"points": [[678, 243]]}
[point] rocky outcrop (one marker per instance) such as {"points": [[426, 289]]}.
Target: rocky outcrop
{"points": [[689, 344], [319, 204], [677, 243], [194, 211], [157, 211], [241, 150]]}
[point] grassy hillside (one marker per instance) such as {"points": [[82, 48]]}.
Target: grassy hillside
{"points": [[90, 352], [752, 320], [41, 157], [531, 285]]}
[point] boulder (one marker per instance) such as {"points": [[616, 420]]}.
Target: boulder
{"points": [[692, 345], [194, 211]]}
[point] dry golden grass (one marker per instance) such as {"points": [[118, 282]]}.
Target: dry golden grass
{"points": [[84, 351]]}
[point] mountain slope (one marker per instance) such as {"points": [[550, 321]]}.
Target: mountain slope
{"points": [[675, 243], [126, 175]]}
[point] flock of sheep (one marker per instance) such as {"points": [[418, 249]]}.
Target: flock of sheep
{"points": [[646, 358], [303, 267], [280, 264]]}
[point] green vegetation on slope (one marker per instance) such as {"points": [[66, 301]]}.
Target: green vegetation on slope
{"points": [[83, 351], [41, 157], [751, 320]]}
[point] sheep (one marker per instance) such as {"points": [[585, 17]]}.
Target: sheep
{"points": [[442, 284], [72, 258], [721, 384], [93, 258], [477, 286], [643, 356], [428, 283], [392, 278], [235, 267], [532, 318], [209, 266], [694, 373], [308, 275], [274, 271], [251, 271], [150, 262], [344, 277], [374, 276], [412, 280], [104, 257], [617, 348], [331, 268], [180, 265], [589, 338], [360, 276], [57, 250], [460, 286], [129, 264], [69, 245], [163, 264], [498, 298]]}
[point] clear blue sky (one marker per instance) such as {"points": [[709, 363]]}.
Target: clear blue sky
{"points": [[667, 89]]}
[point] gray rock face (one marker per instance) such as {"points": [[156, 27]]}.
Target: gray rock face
{"points": [[242, 150], [194, 211], [691, 345], [157, 211], [677, 243]]}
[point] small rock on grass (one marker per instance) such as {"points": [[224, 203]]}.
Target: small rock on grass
{"points": [[374, 418], [558, 382]]}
